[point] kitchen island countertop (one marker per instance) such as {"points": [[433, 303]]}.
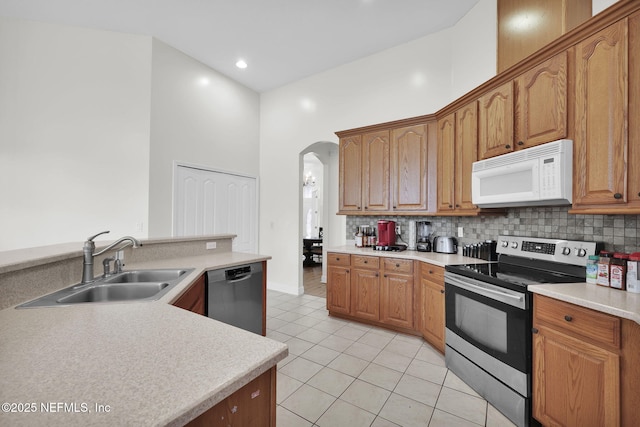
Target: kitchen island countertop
{"points": [[144, 363]]}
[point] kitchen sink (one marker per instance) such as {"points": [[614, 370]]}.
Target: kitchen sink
{"points": [[114, 292], [137, 276], [135, 285]]}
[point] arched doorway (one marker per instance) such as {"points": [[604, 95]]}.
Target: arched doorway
{"points": [[318, 197]]}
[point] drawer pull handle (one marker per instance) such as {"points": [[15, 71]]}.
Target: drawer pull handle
{"points": [[568, 318]]}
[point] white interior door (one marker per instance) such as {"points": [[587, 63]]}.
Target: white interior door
{"points": [[209, 202]]}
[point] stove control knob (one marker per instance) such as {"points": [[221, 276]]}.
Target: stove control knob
{"points": [[582, 252], [566, 250], [514, 245], [504, 243]]}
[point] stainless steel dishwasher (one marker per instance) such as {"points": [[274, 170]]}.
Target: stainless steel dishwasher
{"points": [[235, 296]]}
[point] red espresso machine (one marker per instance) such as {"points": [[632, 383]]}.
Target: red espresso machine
{"points": [[386, 233]]}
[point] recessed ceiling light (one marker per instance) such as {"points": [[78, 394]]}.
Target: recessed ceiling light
{"points": [[241, 64]]}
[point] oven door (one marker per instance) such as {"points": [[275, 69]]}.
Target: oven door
{"points": [[493, 319]]}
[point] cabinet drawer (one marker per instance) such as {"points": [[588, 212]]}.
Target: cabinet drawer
{"points": [[577, 320], [398, 265], [432, 272], [362, 261], [339, 259]]}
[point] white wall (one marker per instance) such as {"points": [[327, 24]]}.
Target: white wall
{"points": [[413, 79], [200, 117], [74, 133]]}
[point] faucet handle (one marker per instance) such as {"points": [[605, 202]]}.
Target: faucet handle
{"points": [[90, 239]]}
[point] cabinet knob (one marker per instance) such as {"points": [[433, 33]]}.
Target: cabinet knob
{"points": [[366, 262], [617, 196], [430, 271], [450, 206], [507, 146], [366, 207], [457, 206], [395, 207], [520, 143], [534, 330], [442, 291], [397, 265], [337, 259], [568, 318], [347, 271]]}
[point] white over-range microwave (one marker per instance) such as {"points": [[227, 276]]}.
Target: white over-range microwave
{"points": [[536, 176]]}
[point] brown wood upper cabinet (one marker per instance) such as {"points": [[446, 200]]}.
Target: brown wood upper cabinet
{"points": [[607, 141], [524, 26], [409, 166], [541, 103], [529, 111], [364, 172], [350, 173], [457, 150], [384, 168], [495, 121]]}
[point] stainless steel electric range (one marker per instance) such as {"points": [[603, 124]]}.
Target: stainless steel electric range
{"points": [[489, 316]]}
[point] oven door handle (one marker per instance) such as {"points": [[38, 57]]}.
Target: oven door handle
{"points": [[513, 298]]}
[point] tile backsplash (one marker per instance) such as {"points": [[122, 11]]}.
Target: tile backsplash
{"points": [[619, 233]]}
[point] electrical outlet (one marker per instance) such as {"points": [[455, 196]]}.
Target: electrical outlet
{"points": [[460, 232], [398, 229], [211, 245]]}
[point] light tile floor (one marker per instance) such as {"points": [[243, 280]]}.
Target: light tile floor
{"points": [[343, 373]]}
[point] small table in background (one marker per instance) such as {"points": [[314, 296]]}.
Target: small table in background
{"points": [[311, 247]]}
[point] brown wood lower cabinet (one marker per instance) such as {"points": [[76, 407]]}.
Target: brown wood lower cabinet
{"points": [[193, 299], [431, 305], [382, 291], [252, 405], [585, 366]]}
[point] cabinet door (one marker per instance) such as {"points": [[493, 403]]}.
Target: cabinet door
{"points": [[431, 303], [396, 300], [375, 185], [193, 299], [338, 289], [541, 103], [633, 168], [350, 173], [600, 145], [252, 405], [574, 383], [466, 152], [495, 122], [409, 168], [365, 294], [446, 162]]}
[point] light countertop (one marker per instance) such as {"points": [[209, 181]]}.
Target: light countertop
{"points": [[430, 257], [150, 363], [612, 301]]}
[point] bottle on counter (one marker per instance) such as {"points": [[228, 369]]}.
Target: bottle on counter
{"points": [[633, 273], [618, 277], [372, 236], [604, 268], [592, 268], [359, 238]]}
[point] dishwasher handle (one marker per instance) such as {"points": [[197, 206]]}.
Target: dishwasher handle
{"points": [[240, 278]]}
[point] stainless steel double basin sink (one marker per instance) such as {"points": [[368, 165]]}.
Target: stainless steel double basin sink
{"points": [[135, 285]]}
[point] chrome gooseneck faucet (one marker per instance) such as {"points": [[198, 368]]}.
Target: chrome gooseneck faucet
{"points": [[88, 254]]}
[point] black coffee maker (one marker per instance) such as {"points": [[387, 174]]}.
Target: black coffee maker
{"points": [[423, 236]]}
